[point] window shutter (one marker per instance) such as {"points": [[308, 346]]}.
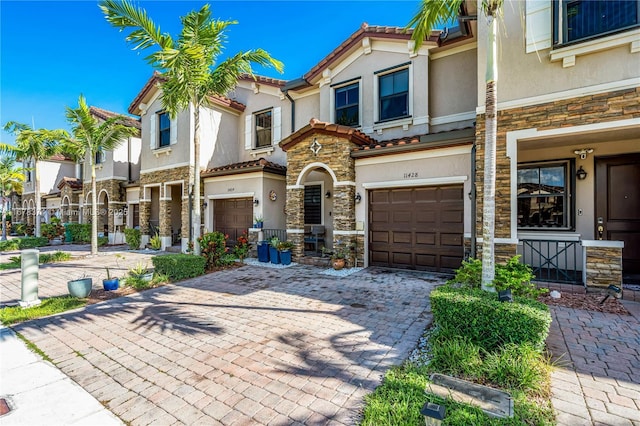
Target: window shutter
{"points": [[538, 25], [277, 125], [152, 130], [173, 131], [247, 131]]}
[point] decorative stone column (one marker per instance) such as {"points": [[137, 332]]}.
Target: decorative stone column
{"points": [[295, 219], [602, 263]]}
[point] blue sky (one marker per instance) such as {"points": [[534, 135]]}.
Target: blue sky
{"points": [[52, 51]]}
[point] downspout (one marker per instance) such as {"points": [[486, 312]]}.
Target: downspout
{"points": [[293, 110], [474, 207], [129, 160]]}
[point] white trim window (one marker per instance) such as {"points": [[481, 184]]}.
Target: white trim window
{"points": [[544, 195], [163, 130], [347, 104], [581, 20], [263, 129], [393, 93], [100, 157]]}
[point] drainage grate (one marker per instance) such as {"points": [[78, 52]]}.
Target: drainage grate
{"points": [[4, 407]]}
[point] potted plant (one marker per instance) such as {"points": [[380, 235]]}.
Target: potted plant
{"points": [[263, 251], [109, 283], [339, 257], [80, 287], [273, 250], [284, 250], [258, 222], [141, 272], [155, 242]]}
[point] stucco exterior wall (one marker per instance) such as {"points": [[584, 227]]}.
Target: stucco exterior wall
{"points": [[452, 86], [307, 107], [51, 172]]}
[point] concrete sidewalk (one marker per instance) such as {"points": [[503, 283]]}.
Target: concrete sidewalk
{"points": [[38, 393]]}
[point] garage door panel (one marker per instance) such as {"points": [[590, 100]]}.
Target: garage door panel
{"points": [[232, 216], [380, 237], [417, 228]]}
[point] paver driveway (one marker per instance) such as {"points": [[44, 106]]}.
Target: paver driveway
{"points": [[246, 346]]}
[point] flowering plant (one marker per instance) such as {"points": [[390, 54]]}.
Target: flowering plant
{"points": [[242, 247]]}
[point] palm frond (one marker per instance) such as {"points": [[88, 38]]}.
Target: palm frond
{"points": [[431, 13], [225, 77]]}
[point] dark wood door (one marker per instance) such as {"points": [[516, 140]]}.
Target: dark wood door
{"points": [[618, 204], [232, 217], [417, 228]]}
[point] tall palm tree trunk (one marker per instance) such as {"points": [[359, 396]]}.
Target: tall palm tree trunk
{"points": [[196, 180], [38, 215], [94, 211], [491, 129], [3, 214]]}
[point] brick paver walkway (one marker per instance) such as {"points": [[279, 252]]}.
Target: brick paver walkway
{"points": [[52, 278], [598, 377], [245, 346]]}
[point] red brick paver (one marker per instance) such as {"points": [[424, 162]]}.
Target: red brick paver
{"points": [[245, 346]]}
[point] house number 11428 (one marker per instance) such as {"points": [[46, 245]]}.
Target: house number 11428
{"points": [[411, 175]]}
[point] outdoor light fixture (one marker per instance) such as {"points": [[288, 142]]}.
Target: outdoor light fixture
{"points": [[581, 174], [358, 198], [505, 295], [327, 194], [433, 414], [255, 202], [583, 152], [205, 204]]}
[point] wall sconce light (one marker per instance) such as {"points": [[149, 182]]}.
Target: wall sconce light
{"points": [[205, 204], [327, 194], [358, 198], [255, 202], [583, 152], [581, 174], [433, 414]]}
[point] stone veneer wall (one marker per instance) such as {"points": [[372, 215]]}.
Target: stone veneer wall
{"points": [[117, 197], [160, 177], [335, 154], [27, 216], [604, 266], [610, 106], [70, 213]]}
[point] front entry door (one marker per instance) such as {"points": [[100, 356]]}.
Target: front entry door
{"points": [[618, 204]]}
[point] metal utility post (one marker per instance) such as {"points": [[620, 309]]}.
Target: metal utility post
{"points": [[30, 267]]}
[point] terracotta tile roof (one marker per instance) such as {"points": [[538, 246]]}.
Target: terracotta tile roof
{"points": [[263, 80], [259, 164], [317, 126], [61, 157], [157, 77], [104, 114], [73, 183], [432, 140], [365, 30]]}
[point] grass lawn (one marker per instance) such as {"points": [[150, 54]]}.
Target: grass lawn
{"points": [[54, 305], [58, 256]]}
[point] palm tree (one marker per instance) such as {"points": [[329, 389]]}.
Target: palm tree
{"points": [[189, 67], [91, 137], [35, 145], [431, 13], [11, 177]]}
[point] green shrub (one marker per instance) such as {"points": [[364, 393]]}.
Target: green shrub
{"points": [[179, 266], [456, 356], [213, 246], [133, 238], [9, 245], [32, 242], [155, 242], [469, 274], [102, 241], [80, 232], [57, 256], [519, 367], [51, 230], [480, 317]]}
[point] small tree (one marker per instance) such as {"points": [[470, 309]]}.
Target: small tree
{"points": [[11, 178], [34, 145], [89, 138]]}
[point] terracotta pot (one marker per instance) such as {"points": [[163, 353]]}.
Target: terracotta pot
{"points": [[338, 264]]}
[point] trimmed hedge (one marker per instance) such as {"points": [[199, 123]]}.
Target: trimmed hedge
{"points": [[23, 243], [179, 266], [80, 232], [479, 316]]}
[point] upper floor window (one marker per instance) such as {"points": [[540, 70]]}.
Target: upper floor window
{"points": [[393, 94], [100, 157], [579, 20], [164, 129], [28, 171], [347, 104], [263, 123], [543, 195]]}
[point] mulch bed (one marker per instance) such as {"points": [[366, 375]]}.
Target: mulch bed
{"points": [[101, 295], [589, 302]]}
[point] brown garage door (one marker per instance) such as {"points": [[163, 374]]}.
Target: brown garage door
{"points": [[417, 228], [232, 216]]}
